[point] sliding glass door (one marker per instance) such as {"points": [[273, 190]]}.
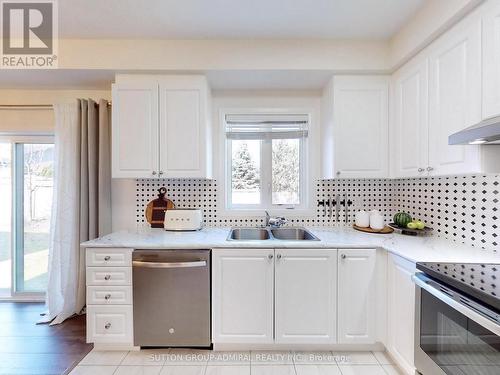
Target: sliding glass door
{"points": [[25, 221], [5, 219]]}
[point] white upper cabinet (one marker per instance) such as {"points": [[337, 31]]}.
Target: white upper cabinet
{"points": [[491, 60], [410, 122], [357, 288], [242, 295], [452, 84], [135, 130], [184, 134], [161, 127], [306, 296], [454, 97], [360, 126]]}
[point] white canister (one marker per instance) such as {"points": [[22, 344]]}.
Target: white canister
{"points": [[376, 220], [362, 219]]}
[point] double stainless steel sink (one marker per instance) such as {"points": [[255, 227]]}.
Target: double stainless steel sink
{"points": [[261, 234]]}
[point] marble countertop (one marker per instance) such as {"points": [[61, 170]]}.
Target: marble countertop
{"points": [[416, 249]]}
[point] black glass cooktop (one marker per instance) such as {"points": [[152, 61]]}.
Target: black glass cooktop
{"points": [[480, 281]]}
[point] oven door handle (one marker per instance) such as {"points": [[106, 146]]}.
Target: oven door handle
{"points": [[198, 263], [461, 308]]}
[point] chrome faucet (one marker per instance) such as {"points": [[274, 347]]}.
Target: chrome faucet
{"points": [[274, 222]]}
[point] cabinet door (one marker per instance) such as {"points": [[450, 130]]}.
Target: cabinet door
{"points": [[356, 296], [361, 127], [491, 61], [411, 126], [183, 127], [401, 312], [455, 98], [242, 296], [305, 296], [135, 130]]}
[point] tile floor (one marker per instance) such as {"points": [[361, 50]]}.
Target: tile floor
{"points": [[204, 362]]}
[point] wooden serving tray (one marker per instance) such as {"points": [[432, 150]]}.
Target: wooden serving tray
{"points": [[386, 230]]}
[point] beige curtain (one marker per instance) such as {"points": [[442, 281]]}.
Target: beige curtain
{"points": [[82, 200], [95, 178]]}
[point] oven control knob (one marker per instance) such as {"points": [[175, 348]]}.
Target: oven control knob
{"points": [[171, 331]]}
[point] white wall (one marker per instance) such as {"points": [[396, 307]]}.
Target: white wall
{"points": [[434, 18], [201, 55], [38, 120]]}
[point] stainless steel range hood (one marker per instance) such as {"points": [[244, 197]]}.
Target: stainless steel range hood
{"points": [[486, 132]]}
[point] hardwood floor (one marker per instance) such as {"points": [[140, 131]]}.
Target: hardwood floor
{"points": [[30, 349]]}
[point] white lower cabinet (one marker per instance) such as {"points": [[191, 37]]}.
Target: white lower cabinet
{"points": [[242, 295], [109, 324], [401, 312], [109, 297], [274, 296], [305, 296], [357, 282], [298, 296]]}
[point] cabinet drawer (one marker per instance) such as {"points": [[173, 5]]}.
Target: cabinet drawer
{"points": [[109, 257], [109, 295], [109, 324], [109, 275]]}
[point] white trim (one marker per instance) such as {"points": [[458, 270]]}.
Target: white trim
{"points": [[25, 297], [309, 172], [27, 138]]}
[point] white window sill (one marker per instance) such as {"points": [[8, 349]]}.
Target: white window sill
{"points": [[260, 212]]}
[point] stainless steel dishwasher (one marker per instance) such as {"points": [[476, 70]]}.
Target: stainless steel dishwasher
{"points": [[171, 297]]}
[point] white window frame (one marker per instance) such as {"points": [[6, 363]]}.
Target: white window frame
{"points": [[308, 168], [14, 138]]}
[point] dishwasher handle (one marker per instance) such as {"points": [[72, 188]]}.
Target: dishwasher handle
{"points": [[198, 263]]}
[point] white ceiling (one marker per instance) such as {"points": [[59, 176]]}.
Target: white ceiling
{"points": [[223, 19]]}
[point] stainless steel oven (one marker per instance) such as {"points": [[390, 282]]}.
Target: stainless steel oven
{"points": [[457, 320]]}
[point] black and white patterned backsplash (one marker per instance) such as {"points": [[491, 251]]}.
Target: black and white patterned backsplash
{"points": [[461, 208]]}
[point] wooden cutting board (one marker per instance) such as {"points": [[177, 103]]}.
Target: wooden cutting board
{"points": [[155, 210], [386, 230]]}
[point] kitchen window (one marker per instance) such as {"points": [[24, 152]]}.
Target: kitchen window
{"points": [[26, 188], [266, 155]]}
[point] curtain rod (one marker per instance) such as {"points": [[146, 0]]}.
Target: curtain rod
{"points": [[40, 106]]}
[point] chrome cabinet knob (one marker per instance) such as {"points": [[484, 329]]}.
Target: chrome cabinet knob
{"points": [[107, 326], [107, 296], [107, 257], [270, 256], [421, 170], [154, 173], [338, 173], [430, 169], [160, 173], [343, 256], [107, 277], [278, 256]]}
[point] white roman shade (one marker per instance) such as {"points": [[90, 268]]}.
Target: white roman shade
{"points": [[266, 126], [32, 120]]}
